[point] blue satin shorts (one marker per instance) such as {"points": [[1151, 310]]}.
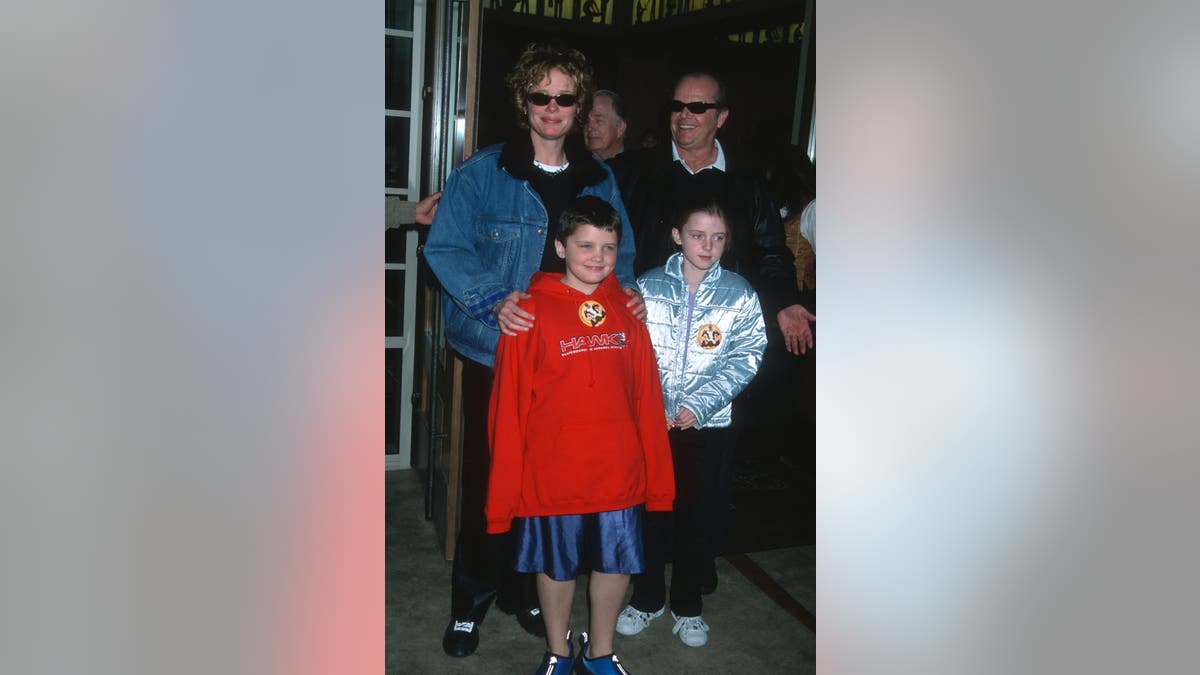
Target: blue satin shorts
{"points": [[564, 546]]}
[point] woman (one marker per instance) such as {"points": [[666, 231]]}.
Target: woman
{"points": [[493, 228]]}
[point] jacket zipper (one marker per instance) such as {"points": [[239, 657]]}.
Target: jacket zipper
{"points": [[684, 341]]}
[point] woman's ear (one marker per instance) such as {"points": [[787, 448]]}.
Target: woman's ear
{"points": [[676, 236]]}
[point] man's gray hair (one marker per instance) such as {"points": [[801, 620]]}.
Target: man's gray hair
{"points": [[618, 105]]}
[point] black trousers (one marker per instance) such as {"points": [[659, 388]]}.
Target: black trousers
{"points": [[483, 563], [703, 460]]}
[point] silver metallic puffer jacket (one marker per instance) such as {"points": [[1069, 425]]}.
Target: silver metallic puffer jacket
{"points": [[704, 367]]}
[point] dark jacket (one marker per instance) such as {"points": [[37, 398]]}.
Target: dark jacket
{"points": [[652, 183]]}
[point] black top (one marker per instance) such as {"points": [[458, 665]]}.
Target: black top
{"points": [[555, 191], [652, 184]]}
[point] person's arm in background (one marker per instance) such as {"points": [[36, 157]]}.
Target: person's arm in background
{"points": [[798, 319], [808, 224], [427, 208], [776, 276]]}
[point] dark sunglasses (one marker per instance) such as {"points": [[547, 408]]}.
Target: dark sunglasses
{"points": [[695, 107], [539, 99]]}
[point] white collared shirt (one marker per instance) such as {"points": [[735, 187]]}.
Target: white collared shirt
{"points": [[718, 163]]}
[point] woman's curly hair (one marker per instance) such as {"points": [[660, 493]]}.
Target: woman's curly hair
{"points": [[533, 67]]}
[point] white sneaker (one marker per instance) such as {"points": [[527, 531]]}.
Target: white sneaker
{"points": [[692, 630], [632, 621]]}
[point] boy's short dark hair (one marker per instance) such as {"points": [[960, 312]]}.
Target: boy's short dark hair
{"points": [[701, 203], [588, 210]]}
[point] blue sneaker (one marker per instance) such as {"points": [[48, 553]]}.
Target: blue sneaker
{"points": [[603, 665], [555, 664]]}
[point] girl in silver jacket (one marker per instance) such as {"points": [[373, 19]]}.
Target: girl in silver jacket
{"points": [[708, 334]]}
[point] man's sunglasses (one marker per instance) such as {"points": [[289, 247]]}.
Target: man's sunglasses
{"points": [[695, 107], [539, 99]]}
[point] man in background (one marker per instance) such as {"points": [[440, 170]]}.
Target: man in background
{"points": [[653, 181], [605, 130]]}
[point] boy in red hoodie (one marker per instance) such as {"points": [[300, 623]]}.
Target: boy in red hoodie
{"points": [[578, 438]]}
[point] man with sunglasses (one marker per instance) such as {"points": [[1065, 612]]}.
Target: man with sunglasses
{"points": [[653, 182]]}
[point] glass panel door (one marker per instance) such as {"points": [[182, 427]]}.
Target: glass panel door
{"points": [[450, 139]]}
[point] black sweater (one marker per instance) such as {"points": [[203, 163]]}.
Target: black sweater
{"points": [[651, 185]]}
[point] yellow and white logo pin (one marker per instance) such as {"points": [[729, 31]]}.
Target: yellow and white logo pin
{"points": [[592, 314], [708, 336]]}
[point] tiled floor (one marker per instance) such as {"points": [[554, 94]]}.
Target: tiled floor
{"points": [[758, 621]]}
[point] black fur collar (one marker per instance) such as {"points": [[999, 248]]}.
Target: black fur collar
{"points": [[517, 159]]}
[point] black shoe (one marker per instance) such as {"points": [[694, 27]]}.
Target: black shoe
{"points": [[461, 638], [531, 621]]}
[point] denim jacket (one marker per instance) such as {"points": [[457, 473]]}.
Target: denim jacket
{"points": [[707, 358], [489, 232]]}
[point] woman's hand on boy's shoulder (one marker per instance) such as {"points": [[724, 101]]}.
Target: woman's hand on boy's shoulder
{"points": [[510, 316], [636, 304]]}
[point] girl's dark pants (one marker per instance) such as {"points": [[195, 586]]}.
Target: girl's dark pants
{"points": [[703, 463]]}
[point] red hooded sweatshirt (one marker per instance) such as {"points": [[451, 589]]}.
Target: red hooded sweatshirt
{"points": [[576, 421]]}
